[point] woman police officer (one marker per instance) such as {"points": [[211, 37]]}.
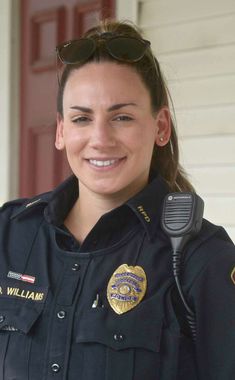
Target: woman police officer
{"points": [[86, 273]]}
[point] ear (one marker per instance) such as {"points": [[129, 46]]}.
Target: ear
{"points": [[163, 121], [59, 140]]}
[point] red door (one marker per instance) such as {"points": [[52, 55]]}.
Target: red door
{"points": [[45, 24]]}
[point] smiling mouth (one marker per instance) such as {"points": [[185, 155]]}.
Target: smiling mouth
{"points": [[104, 163]]}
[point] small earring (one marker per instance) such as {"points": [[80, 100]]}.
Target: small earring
{"points": [[161, 139], [58, 145]]}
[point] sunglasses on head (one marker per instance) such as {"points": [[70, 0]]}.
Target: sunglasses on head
{"points": [[122, 48]]}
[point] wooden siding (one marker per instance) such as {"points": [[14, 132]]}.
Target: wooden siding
{"points": [[195, 45]]}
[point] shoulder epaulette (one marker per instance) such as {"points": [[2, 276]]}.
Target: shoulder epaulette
{"points": [[22, 206]]}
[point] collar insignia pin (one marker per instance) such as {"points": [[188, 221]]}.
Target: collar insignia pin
{"points": [[32, 203], [126, 288]]}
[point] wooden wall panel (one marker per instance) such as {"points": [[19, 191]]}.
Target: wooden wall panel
{"points": [[43, 24], [215, 150], [221, 208], [200, 33], [195, 45], [162, 12], [199, 63], [213, 120], [203, 92], [231, 231], [206, 180]]}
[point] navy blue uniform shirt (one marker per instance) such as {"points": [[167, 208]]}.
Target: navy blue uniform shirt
{"points": [[57, 314]]}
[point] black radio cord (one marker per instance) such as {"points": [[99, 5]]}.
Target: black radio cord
{"points": [[190, 315]]}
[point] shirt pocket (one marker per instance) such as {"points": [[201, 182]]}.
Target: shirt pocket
{"points": [[125, 346], [17, 320]]}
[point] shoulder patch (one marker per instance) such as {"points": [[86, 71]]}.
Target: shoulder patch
{"points": [[233, 275]]}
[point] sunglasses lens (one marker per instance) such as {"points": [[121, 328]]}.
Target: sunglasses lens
{"points": [[126, 49], [76, 51]]}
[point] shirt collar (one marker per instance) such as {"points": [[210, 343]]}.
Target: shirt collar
{"points": [[56, 203], [146, 205], [63, 198]]}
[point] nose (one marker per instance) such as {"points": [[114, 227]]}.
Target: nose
{"points": [[102, 135]]}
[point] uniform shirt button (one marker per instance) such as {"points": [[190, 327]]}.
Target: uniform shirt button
{"points": [[75, 267], [2, 318], [55, 367], [118, 337], [61, 314]]}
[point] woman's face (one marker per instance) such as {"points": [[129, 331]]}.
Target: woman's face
{"points": [[108, 129]]}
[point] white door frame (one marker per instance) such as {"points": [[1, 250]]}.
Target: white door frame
{"points": [[9, 98]]}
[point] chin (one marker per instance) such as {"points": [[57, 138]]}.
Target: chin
{"points": [[108, 190]]}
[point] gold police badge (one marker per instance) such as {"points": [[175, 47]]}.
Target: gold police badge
{"points": [[126, 288]]}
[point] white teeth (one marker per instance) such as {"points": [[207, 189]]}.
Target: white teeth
{"points": [[102, 163]]}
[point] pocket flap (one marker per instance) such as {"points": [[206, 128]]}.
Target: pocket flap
{"points": [[139, 328], [21, 303], [19, 318]]}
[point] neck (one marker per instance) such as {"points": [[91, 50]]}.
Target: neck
{"points": [[90, 206], [87, 210]]}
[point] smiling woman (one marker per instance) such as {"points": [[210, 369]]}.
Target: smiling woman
{"points": [[109, 130], [94, 249]]}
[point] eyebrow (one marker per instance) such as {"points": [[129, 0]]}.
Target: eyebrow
{"points": [[112, 108]]}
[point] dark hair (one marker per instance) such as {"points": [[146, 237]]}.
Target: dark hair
{"points": [[165, 160]]}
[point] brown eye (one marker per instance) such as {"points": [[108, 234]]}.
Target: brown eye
{"points": [[123, 118], [80, 120]]}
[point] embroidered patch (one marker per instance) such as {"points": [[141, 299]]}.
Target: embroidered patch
{"points": [[126, 288], [233, 275], [144, 213], [13, 289], [21, 277]]}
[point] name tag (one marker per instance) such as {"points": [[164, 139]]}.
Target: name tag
{"points": [[25, 291]]}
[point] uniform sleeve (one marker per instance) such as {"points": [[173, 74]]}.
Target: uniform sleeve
{"points": [[213, 296]]}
